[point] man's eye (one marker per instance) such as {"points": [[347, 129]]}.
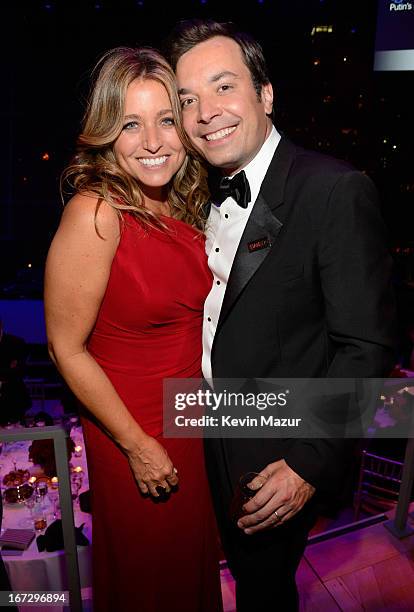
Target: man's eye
{"points": [[130, 125], [186, 102], [225, 87]]}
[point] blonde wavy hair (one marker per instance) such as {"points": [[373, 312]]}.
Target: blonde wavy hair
{"points": [[94, 168]]}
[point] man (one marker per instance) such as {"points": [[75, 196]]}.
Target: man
{"points": [[301, 289]]}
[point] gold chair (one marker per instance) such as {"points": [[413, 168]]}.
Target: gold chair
{"points": [[378, 484]]}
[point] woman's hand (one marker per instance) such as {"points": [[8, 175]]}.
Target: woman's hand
{"points": [[152, 467]]}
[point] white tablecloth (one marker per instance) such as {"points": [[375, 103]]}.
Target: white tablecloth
{"points": [[35, 571]]}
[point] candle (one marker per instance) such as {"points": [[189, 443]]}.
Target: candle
{"points": [[78, 469]]}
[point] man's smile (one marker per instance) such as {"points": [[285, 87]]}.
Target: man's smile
{"points": [[220, 134]]}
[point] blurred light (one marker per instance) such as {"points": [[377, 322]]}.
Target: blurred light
{"points": [[45, 156], [316, 62], [29, 265], [385, 141], [322, 29], [394, 147], [353, 31], [345, 59]]}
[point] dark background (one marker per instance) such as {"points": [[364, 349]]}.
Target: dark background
{"points": [[327, 98]]}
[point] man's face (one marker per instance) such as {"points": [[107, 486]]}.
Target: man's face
{"points": [[223, 116]]}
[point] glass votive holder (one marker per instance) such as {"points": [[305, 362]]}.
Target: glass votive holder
{"points": [[38, 516]]}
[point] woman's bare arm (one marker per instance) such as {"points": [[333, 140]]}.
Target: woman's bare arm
{"points": [[77, 273]]}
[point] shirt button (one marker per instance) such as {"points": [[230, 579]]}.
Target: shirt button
{"points": [[226, 216], [217, 249], [217, 282], [209, 319]]}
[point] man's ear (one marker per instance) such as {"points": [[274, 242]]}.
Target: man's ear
{"points": [[267, 98]]}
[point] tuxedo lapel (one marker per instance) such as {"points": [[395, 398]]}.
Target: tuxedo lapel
{"points": [[261, 230], [262, 227]]}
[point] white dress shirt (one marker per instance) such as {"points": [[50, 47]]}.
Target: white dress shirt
{"points": [[225, 227]]}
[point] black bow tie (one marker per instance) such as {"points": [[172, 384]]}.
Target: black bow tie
{"points": [[237, 188]]}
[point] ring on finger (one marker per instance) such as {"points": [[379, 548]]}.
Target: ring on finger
{"points": [[277, 517]]}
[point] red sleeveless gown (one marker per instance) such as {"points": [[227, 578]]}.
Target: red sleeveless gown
{"points": [[148, 556]]}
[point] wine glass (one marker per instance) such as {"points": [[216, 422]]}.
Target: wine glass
{"points": [[29, 503], [53, 496], [243, 493], [41, 491]]}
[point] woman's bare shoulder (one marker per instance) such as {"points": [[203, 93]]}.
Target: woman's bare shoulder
{"points": [[88, 212]]}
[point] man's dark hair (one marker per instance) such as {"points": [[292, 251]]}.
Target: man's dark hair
{"points": [[189, 33]]}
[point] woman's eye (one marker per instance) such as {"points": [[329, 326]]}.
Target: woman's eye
{"points": [[168, 121], [225, 87], [130, 125]]}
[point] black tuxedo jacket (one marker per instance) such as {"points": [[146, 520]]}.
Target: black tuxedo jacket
{"points": [[315, 302]]}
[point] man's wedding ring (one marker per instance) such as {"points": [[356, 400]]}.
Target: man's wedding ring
{"points": [[277, 516]]}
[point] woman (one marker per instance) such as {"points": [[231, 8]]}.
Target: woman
{"points": [[126, 278]]}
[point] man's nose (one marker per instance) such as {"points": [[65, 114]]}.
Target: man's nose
{"points": [[208, 109]]}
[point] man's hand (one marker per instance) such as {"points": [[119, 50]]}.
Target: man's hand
{"points": [[281, 497]]}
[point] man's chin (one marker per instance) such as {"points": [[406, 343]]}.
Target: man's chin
{"points": [[220, 161]]}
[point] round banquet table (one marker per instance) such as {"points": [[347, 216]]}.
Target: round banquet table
{"points": [[42, 571]]}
